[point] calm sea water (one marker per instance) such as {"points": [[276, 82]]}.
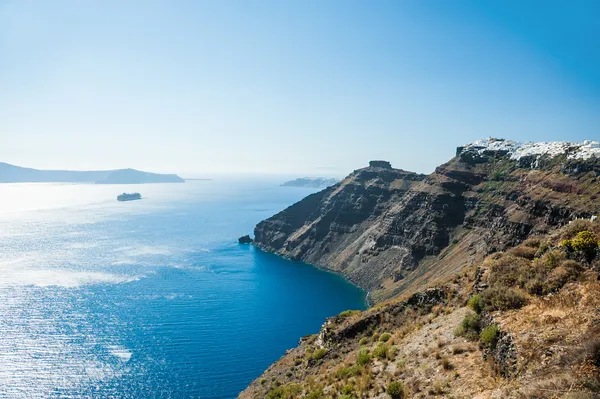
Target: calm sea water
{"points": [[151, 298]]}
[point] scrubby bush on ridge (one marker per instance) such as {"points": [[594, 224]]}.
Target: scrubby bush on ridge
{"points": [[348, 313], [395, 389], [585, 242], [469, 327], [502, 298], [289, 391], [524, 251], [363, 357], [489, 335], [476, 303], [317, 394], [318, 354], [508, 274], [349, 371], [381, 351], [577, 226], [385, 337]]}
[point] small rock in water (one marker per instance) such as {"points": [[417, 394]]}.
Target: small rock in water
{"points": [[245, 239]]}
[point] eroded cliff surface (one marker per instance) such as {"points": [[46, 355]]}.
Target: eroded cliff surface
{"points": [[524, 323], [390, 231]]}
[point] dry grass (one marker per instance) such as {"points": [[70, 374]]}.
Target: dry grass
{"points": [[554, 334], [575, 227]]}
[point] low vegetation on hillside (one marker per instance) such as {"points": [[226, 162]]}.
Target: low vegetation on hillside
{"points": [[525, 323]]}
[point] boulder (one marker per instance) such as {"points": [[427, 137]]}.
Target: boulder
{"points": [[245, 239]]}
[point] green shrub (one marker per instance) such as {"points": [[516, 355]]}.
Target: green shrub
{"points": [[401, 364], [349, 371], [586, 243], [489, 335], [363, 341], [263, 381], [549, 273], [549, 261], [576, 227], [317, 394], [363, 357], [497, 175], [395, 389], [502, 298], [319, 354], [469, 327], [385, 337], [310, 338], [276, 393], [348, 313], [381, 351], [544, 247], [293, 389], [567, 244], [476, 303], [290, 391], [554, 279], [347, 389]]}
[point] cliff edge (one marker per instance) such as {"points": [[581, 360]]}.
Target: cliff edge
{"points": [[388, 230], [486, 274]]}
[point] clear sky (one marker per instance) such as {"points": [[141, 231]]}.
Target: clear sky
{"points": [[308, 87]]}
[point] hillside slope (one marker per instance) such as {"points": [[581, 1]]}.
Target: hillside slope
{"points": [[391, 231], [524, 323]]}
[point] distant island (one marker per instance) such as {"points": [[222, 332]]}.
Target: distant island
{"points": [[315, 182], [16, 174]]}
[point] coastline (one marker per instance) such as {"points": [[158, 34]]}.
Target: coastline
{"points": [[368, 303]]}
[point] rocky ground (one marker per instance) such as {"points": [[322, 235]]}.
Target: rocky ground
{"points": [[491, 331], [483, 275]]}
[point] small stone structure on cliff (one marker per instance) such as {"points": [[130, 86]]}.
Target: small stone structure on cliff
{"points": [[380, 164]]}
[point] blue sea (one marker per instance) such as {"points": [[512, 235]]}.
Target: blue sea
{"points": [[152, 298]]}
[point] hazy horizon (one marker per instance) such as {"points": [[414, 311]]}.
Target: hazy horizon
{"points": [[294, 88]]}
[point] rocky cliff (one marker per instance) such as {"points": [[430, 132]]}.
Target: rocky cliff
{"points": [[391, 231], [493, 266]]}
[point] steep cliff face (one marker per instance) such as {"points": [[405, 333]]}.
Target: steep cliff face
{"points": [[390, 231], [523, 323], [329, 228]]}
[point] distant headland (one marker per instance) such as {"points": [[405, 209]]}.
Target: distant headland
{"points": [[315, 182], [17, 174]]}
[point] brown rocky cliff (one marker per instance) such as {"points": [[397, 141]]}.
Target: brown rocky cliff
{"points": [[389, 231], [523, 323]]}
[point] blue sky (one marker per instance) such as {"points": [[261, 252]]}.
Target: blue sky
{"points": [[301, 87]]}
